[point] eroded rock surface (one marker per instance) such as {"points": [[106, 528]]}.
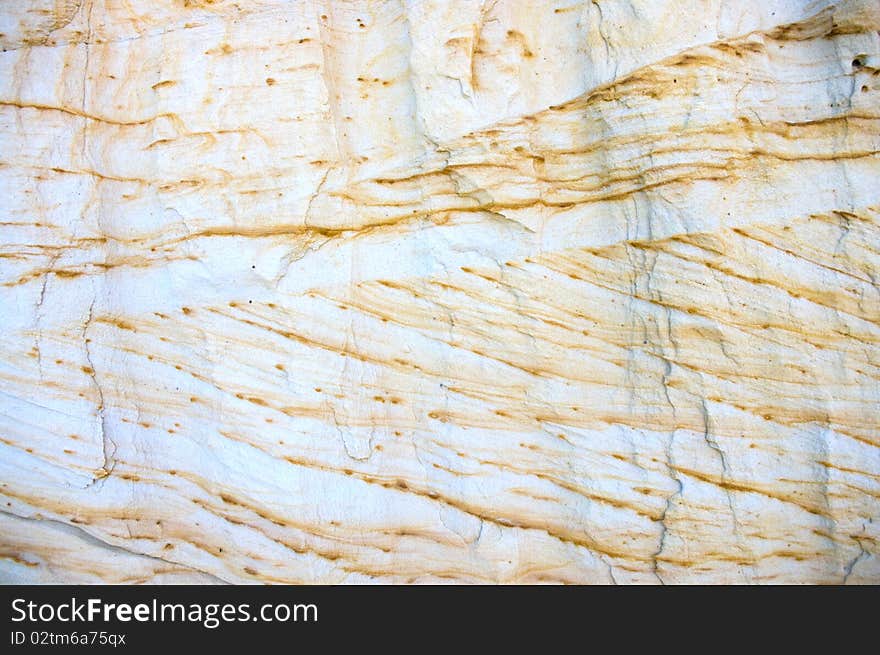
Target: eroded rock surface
{"points": [[502, 291]]}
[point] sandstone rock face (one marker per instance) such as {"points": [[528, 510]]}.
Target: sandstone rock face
{"points": [[421, 291]]}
